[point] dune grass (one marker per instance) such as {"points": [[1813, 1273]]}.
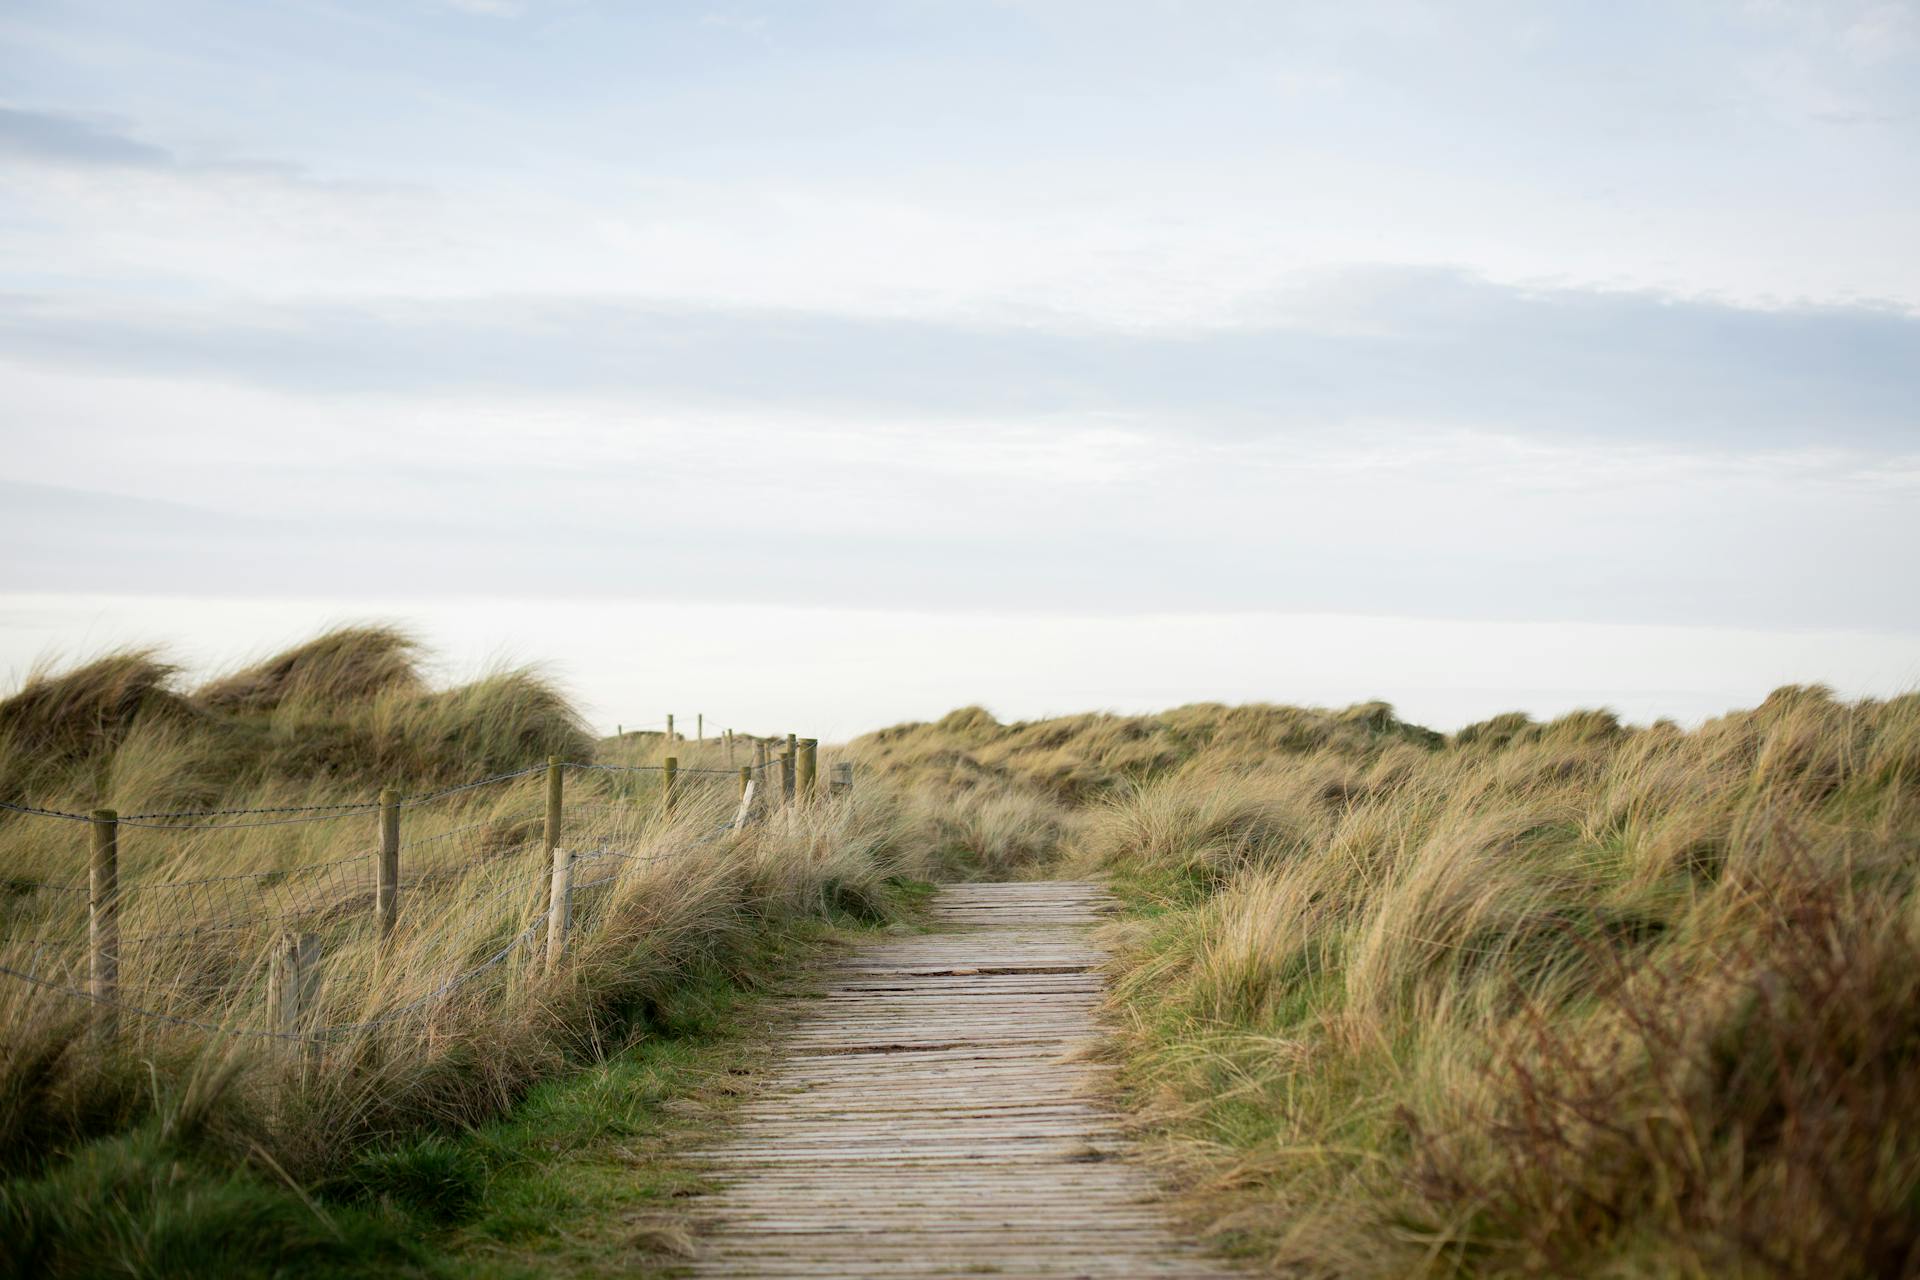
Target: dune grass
{"points": [[1571, 998], [581, 1176], [1567, 999], [186, 1122]]}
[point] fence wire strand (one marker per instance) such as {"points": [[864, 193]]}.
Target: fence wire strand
{"points": [[37, 811], [339, 889]]}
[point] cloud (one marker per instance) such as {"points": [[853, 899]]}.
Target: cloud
{"points": [[488, 8], [70, 139], [1472, 532], [1382, 348], [753, 26], [1883, 33]]}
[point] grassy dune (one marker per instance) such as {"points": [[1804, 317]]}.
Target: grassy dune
{"points": [[1568, 999], [1536, 999], [178, 1148]]}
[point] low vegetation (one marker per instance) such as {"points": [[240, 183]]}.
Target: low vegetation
{"points": [[1566, 998], [1571, 998], [186, 1139]]}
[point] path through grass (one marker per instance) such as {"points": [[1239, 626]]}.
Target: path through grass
{"points": [[579, 1179]]}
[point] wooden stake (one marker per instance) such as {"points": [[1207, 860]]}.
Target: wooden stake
{"points": [[293, 985], [551, 840], [560, 907], [669, 729], [809, 769], [700, 727], [555, 816], [745, 811], [746, 779], [103, 919], [670, 775], [386, 871]]}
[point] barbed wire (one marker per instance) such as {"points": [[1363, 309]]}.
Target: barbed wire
{"points": [[24, 886], [187, 819], [660, 768], [475, 914], [230, 826], [224, 813], [37, 811]]}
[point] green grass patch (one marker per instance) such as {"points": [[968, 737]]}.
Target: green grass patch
{"points": [[581, 1177]]}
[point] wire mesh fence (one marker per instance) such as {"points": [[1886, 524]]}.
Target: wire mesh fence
{"points": [[305, 951]]}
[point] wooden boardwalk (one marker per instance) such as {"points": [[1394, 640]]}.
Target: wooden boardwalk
{"points": [[929, 1117]]}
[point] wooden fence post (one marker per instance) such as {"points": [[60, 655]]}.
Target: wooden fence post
{"points": [[669, 774], [729, 737], [293, 983], [809, 770], [746, 779], [842, 780], [103, 919], [786, 773], [745, 811], [560, 907], [700, 727], [555, 816], [386, 871], [551, 840], [669, 729]]}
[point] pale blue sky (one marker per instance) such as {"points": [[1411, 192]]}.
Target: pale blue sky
{"points": [[1501, 313]]}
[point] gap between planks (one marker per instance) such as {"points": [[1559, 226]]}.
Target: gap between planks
{"points": [[935, 1115]]}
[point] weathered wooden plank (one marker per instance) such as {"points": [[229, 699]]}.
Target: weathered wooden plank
{"points": [[933, 1115]]}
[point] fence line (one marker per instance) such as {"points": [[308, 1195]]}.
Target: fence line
{"points": [[222, 813], [294, 958]]}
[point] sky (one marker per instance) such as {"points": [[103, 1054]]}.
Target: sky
{"points": [[1036, 353]]}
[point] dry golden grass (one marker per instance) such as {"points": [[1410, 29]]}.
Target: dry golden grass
{"points": [[456, 1015], [1563, 999], [1543, 999]]}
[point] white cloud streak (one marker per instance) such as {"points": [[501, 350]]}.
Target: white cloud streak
{"points": [[1478, 311]]}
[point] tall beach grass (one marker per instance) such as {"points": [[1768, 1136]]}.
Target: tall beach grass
{"points": [[437, 1029], [1566, 998]]}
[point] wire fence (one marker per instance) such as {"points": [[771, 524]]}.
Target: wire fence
{"points": [[479, 901]]}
